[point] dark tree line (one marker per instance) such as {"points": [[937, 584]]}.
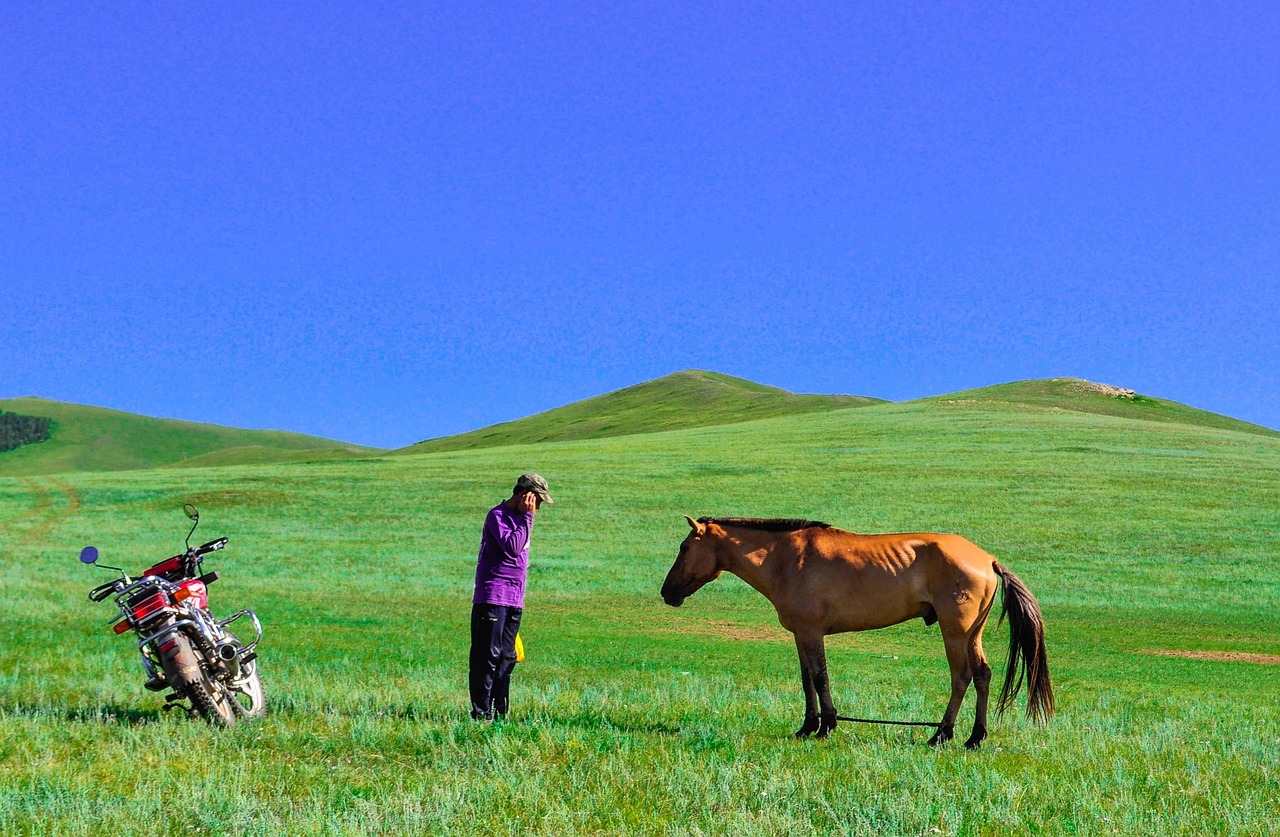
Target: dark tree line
{"points": [[16, 430]]}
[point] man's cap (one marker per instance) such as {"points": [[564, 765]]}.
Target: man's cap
{"points": [[536, 484]]}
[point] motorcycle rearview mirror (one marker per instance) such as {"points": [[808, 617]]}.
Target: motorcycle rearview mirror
{"points": [[193, 514], [89, 555]]}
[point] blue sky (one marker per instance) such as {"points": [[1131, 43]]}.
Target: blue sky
{"points": [[382, 223]]}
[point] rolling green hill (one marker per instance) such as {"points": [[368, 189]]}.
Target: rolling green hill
{"points": [[696, 398], [692, 398], [1079, 396], [262, 455], [87, 438]]}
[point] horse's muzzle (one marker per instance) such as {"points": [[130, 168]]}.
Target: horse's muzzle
{"points": [[672, 598]]}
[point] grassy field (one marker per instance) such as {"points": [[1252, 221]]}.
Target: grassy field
{"points": [[1151, 547], [88, 438]]}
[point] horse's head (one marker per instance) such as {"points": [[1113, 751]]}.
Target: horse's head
{"points": [[696, 564]]}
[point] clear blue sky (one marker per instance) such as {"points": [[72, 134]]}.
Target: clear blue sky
{"points": [[382, 223]]}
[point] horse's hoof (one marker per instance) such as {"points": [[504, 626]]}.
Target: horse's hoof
{"points": [[826, 726], [808, 728], [939, 738], [973, 745]]}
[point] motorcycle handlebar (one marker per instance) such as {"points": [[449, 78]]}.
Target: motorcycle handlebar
{"points": [[100, 592], [211, 546]]}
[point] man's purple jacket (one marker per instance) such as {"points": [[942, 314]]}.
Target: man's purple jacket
{"points": [[504, 557]]}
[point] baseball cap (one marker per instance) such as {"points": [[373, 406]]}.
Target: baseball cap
{"points": [[536, 484]]}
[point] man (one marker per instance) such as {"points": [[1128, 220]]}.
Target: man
{"points": [[498, 603]]}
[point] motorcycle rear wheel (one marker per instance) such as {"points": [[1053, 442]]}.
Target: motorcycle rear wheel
{"points": [[217, 702], [188, 678]]}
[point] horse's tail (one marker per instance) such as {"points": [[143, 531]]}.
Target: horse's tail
{"points": [[1026, 645]]}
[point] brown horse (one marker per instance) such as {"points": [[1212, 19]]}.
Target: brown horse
{"points": [[823, 580]]}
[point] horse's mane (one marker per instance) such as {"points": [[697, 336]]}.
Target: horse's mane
{"points": [[776, 524]]}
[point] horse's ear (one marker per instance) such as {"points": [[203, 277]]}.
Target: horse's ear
{"points": [[697, 527]]}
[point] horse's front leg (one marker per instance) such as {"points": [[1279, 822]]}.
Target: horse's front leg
{"points": [[814, 654], [810, 725]]}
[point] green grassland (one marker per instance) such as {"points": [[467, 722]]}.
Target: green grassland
{"points": [[1140, 539], [96, 439], [693, 398]]}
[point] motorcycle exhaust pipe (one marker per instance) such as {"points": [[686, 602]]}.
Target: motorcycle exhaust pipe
{"points": [[229, 654]]}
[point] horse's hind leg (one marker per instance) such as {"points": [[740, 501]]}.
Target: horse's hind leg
{"points": [[982, 685], [957, 645]]}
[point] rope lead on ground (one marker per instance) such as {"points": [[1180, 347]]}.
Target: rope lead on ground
{"points": [[894, 723]]}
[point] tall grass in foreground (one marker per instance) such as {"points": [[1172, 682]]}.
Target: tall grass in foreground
{"points": [[631, 717]]}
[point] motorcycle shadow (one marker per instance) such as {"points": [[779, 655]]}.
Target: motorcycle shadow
{"points": [[108, 714], [117, 715]]}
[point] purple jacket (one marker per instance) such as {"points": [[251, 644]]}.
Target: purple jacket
{"points": [[504, 557]]}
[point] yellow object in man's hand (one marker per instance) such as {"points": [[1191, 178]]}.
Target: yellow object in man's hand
{"points": [[519, 649]]}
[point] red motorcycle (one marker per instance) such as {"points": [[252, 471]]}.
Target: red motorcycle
{"points": [[183, 647]]}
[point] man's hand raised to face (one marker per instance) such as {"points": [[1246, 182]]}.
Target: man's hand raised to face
{"points": [[528, 503]]}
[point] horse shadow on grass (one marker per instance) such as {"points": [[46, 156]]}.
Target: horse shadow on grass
{"points": [[598, 721]]}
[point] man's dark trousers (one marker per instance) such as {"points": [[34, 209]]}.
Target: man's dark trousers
{"points": [[493, 656]]}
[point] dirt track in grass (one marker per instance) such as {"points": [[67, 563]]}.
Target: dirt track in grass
{"points": [[1225, 656], [732, 630]]}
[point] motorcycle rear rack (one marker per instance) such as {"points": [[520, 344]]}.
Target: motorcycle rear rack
{"points": [[136, 587]]}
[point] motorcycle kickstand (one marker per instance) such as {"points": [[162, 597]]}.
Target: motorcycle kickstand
{"points": [[171, 703]]}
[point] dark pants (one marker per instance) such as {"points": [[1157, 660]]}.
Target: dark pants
{"points": [[493, 656]]}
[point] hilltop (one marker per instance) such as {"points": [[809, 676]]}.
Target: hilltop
{"points": [[85, 438], [693, 398], [1079, 396]]}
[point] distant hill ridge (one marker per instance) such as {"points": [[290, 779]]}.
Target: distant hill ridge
{"points": [[84, 438], [697, 398], [692, 398], [1080, 396]]}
